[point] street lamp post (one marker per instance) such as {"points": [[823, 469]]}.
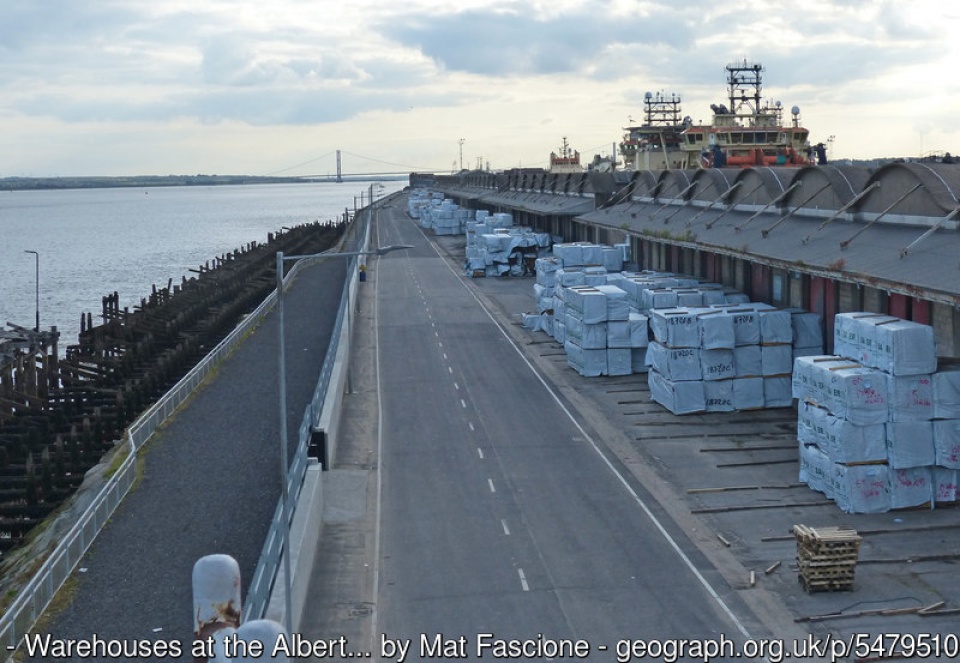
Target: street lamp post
{"points": [[282, 376], [36, 255]]}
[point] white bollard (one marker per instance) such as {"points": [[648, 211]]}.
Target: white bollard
{"points": [[259, 639], [219, 649], [216, 602]]}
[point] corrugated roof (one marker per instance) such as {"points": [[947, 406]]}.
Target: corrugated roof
{"points": [[879, 213], [873, 257], [541, 204]]}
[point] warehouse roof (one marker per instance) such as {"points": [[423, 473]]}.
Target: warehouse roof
{"points": [[893, 227]]}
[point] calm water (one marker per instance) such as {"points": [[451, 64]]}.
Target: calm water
{"points": [[96, 241]]}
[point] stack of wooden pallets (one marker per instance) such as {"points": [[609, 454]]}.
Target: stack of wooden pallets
{"points": [[826, 557]]}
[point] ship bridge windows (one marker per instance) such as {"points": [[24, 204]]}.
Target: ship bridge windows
{"points": [[755, 138], [800, 136]]}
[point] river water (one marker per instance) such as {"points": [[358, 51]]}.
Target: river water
{"points": [[92, 242]]}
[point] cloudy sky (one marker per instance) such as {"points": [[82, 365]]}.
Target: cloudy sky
{"points": [[123, 87]]}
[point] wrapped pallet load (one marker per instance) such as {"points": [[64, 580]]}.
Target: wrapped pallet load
{"points": [[875, 405], [738, 352]]}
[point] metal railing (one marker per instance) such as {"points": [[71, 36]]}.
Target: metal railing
{"points": [[37, 594], [264, 576]]}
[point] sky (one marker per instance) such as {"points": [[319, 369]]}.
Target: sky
{"points": [[276, 87]]}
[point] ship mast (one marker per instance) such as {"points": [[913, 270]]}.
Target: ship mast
{"points": [[745, 83], [660, 110]]}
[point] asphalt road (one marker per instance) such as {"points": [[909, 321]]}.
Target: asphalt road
{"points": [[210, 482], [500, 513]]}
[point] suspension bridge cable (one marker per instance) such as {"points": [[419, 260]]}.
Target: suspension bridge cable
{"points": [[388, 163], [305, 163]]}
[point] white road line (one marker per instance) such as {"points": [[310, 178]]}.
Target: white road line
{"points": [[470, 424], [523, 580], [480, 453], [506, 529], [456, 386], [444, 354], [378, 518], [610, 466], [449, 369], [463, 403], [493, 489]]}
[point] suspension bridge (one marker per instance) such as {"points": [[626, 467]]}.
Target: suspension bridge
{"points": [[338, 174]]}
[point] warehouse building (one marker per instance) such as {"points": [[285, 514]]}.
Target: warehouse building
{"points": [[829, 239]]}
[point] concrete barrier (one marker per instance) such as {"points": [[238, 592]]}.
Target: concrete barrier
{"points": [[305, 534], [328, 424]]}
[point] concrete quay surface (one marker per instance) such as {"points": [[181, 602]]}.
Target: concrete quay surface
{"points": [[728, 482]]}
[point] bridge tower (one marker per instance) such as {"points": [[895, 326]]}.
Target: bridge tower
{"points": [[339, 171]]}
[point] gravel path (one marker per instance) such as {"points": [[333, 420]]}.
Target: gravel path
{"points": [[210, 484]]}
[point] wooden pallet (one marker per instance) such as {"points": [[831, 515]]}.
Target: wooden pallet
{"points": [[829, 536], [811, 586], [826, 557]]}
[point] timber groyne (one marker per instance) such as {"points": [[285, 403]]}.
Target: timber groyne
{"points": [[60, 414]]}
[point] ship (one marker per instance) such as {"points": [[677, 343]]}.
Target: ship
{"points": [[655, 144], [746, 133], [567, 161]]}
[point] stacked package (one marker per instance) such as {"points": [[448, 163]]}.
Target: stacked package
{"points": [[443, 217], [555, 275], [879, 426], [593, 318], [714, 350], [579, 263], [602, 334], [731, 356], [495, 247], [420, 199]]}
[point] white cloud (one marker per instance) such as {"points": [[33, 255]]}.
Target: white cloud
{"points": [[378, 78]]}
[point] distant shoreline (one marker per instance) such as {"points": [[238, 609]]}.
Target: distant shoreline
{"points": [[55, 183]]}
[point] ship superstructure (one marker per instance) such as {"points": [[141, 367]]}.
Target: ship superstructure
{"points": [[567, 161], [747, 132], [655, 144]]}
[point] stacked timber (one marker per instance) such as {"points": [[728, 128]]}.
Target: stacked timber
{"points": [[730, 356], [496, 247], [713, 350], [443, 217], [826, 557], [421, 199], [878, 423], [603, 335]]}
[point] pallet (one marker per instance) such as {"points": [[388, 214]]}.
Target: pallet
{"points": [[826, 557], [811, 586], [829, 562], [827, 536], [824, 574]]}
